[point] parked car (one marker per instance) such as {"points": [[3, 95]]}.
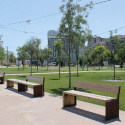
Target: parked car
{"points": [[52, 64]]}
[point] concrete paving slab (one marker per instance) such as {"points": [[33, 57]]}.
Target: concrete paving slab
{"points": [[20, 108]]}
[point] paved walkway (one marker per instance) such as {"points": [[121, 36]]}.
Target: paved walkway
{"points": [[22, 109], [58, 72]]}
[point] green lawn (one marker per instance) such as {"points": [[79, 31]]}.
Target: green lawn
{"points": [[13, 70], [56, 86]]}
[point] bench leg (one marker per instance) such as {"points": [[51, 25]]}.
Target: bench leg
{"points": [[10, 84], [2, 80], [112, 109], [38, 91], [69, 100], [22, 87]]}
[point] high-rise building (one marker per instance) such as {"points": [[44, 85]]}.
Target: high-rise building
{"points": [[96, 41], [52, 36]]}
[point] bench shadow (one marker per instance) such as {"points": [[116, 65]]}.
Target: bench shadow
{"points": [[90, 115], [22, 93]]}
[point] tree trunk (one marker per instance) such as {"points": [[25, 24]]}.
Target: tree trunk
{"points": [[69, 67], [18, 64], [87, 63], [114, 71], [77, 65], [47, 64], [37, 62], [31, 66], [23, 65], [99, 62], [59, 68]]}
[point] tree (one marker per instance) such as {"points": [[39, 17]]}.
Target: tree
{"points": [[41, 56], [47, 53], [121, 55], [87, 56], [58, 47], [99, 50], [22, 54], [31, 49], [113, 45], [2, 55], [76, 50], [38, 41], [12, 58], [93, 57], [73, 13]]}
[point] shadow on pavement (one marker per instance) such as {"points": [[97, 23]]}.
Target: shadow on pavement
{"points": [[22, 93], [90, 115]]}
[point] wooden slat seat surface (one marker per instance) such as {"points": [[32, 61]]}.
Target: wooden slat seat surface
{"points": [[89, 95], [24, 82]]}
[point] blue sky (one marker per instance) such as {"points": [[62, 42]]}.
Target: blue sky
{"points": [[102, 18]]}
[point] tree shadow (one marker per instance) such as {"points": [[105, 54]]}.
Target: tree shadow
{"points": [[90, 115], [54, 79], [22, 76], [73, 75], [58, 91]]}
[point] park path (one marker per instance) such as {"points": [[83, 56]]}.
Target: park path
{"points": [[20, 108], [58, 72]]}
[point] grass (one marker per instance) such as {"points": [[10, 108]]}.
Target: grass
{"points": [[14, 70], [56, 86]]}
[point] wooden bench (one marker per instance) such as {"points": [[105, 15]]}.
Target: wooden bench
{"points": [[112, 103], [2, 74], [38, 89]]}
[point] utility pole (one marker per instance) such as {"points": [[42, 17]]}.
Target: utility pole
{"points": [[7, 56]]}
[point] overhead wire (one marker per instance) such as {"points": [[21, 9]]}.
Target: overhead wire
{"points": [[101, 2], [114, 30], [38, 18], [29, 20]]}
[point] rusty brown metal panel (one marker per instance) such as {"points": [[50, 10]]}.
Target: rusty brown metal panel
{"points": [[98, 87]]}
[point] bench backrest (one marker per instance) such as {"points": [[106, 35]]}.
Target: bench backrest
{"points": [[2, 73], [35, 78], [98, 87]]}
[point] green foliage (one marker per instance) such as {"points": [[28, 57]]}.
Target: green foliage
{"points": [[99, 51], [73, 24], [58, 46], [12, 58], [2, 55], [121, 55], [47, 53]]}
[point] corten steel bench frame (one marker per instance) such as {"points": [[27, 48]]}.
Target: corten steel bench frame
{"points": [[2, 74], [112, 104], [38, 89]]}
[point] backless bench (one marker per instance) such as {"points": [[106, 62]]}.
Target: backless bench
{"points": [[2, 74], [112, 103], [38, 89]]}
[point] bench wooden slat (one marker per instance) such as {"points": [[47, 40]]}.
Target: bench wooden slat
{"points": [[35, 78], [89, 95], [98, 87], [2, 73], [24, 82]]}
